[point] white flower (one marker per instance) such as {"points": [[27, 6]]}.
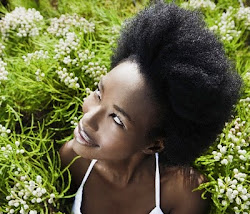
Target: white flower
{"points": [[2, 47], [62, 25], [239, 134], [234, 182], [20, 194], [43, 190], [38, 179], [243, 141], [17, 143], [238, 200], [26, 206], [224, 162], [229, 191], [39, 75], [230, 158], [37, 55], [238, 147], [206, 4], [52, 195], [244, 191], [23, 178], [223, 150], [230, 194], [95, 71], [220, 183], [34, 192], [235, 192], [32, 183], [235, 171], [236, 208], [243, 14], [3, 72], [242, 152], [222, 191], [115, 32], [242, 157], [67, 78], [217, 158], [224, 203], [22, 22], [50, 201], [226, 26], [11, 203], [244, 197], [66, 46], [240, 176]]}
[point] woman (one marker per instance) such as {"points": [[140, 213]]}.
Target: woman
{"points": [[168, 95]]}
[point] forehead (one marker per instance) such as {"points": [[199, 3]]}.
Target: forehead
{"points": [[127, 88], [126, 75]]}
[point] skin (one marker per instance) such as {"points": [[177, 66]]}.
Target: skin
{"points": [[122, 180]]}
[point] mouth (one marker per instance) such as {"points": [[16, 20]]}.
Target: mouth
{"points": [[83, 138]]}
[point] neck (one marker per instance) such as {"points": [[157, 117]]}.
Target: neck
{"points": [[121, 173]]}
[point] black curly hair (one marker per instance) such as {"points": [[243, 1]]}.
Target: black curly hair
{"points": [[191, 79]]}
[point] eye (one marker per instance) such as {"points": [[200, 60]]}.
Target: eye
{"points": [[98, 93], [117, 120]]}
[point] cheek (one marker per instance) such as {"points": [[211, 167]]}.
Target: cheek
{"points": [[110, 134], [114, 139]]}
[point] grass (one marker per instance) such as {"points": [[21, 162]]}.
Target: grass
{"points": [[39, 108]]}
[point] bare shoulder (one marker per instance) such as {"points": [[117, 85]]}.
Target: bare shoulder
{"points": [[66, 153], [178, 184], [78, 167]]}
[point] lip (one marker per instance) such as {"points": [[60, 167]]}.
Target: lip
{"points": [[83, 138]]}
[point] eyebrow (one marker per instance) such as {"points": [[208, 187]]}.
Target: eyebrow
{"points": [[101, 84], [117, 108]]}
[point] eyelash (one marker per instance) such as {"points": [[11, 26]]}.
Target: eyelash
{"points": [[98, 94], [112, 114]]}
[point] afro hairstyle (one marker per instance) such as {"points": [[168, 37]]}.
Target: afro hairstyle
{"points": [[190, 77]]}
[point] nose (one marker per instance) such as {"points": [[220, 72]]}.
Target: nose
{"points": [[92, 117]]}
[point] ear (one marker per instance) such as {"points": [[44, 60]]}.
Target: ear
{"points": [[156, 146]]}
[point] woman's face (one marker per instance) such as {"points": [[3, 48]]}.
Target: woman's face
{"points": [[116, 116]]}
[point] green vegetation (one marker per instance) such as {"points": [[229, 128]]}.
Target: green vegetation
{"points": [[51, 56]]}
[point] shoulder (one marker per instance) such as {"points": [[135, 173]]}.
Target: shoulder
{"points": [[77, 168], [178, 184]]}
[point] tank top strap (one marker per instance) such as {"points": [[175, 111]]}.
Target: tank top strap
{"points": [[78, 197], [157, 181]]}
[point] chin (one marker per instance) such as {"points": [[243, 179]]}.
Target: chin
{"points": [[85, 152]]}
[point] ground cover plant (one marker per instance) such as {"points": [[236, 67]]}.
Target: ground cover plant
{"points": [[52, 53]]}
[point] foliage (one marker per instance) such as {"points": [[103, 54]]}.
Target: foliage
{"points": [[32, 167], [51, 56]]}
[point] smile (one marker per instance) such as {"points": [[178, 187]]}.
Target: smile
{"points": [[82, 137]]}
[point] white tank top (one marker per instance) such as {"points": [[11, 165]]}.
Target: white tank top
{"points": [[76, 209]]}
